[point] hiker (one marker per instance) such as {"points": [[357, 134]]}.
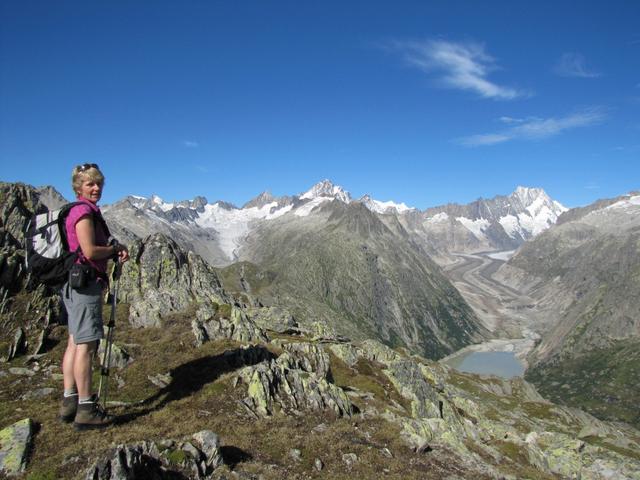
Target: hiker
{"points": [[88, 235]]}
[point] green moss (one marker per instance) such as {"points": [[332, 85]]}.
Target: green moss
{"points": [[45, 475], [539, 410], [224, 311], [512, 451], [176, 457]]}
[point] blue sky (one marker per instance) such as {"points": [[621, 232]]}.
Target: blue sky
{"points": [[417, 102]]}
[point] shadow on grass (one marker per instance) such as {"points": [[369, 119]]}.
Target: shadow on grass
{"points": [[232, 456], [190, 377]]}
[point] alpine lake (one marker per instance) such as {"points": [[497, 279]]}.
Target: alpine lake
{"points": [[500, 364]]}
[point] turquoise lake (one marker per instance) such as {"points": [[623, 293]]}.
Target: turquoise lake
{"points": [[501, 364]]}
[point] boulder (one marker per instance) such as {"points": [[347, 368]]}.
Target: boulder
{"points": [[120, 358], [15, 444]]}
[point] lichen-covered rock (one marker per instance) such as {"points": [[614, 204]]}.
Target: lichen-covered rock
{"points": [[209, 444], [275, 319], [120, 358], [346, 352], [196, 457], [15, 443], [163, 279], [308, 357], [18, 203], [128, 462], [376, 351], [294, 381], [210, 325], [324, 331], [18, 345]]}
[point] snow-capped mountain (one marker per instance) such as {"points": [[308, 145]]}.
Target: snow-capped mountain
{"points": [[326, 189], [218, 230], [389, 207], [220, 223], [500, 223]]}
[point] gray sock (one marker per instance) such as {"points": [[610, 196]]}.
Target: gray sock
{"points": [[86, 400], [71, 392]]}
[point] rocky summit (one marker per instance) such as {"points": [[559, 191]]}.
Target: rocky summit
{"points": [[210, 384]]}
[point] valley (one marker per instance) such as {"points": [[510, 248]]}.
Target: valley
{"points": [[508, 314]]}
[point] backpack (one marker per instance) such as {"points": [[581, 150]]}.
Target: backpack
{"points": [[48, 259]]}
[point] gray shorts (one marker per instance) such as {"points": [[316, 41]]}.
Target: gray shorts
{"points": [[84, 312]]}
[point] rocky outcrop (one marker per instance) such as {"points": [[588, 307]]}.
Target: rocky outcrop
{"points": [[298, 379], [15, 444], [447, 409], [18, 203], [195, 458], [275, 319], [162, 279], [214, 322]]}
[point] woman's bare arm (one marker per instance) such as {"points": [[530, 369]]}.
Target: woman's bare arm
{"points": [[85, 231]]}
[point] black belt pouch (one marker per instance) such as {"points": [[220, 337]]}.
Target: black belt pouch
{"points": [[80, 275]]}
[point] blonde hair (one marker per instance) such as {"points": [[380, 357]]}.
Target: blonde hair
{"points": [[87, 171]]}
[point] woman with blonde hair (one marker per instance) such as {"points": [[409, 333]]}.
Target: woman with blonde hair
{"points": [[88, 235]]}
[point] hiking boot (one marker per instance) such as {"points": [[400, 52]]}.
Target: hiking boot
{"points": [[91, 415], [68, 408]]}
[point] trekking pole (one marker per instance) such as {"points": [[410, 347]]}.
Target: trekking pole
{"points": [[106, 356]]}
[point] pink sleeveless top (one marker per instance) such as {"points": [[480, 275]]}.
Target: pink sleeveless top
{"points": [[87, 209]]}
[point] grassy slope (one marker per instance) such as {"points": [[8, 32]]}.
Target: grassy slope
{"points": [[202, 397], [604, 381]]}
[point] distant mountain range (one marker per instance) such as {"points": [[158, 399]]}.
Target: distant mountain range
{"points": [[219, 231]]}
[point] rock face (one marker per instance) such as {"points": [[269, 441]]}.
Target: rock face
{"points": [[586, 278], [197, 457], [15, 443], [23, 324], [297, 380], [162, 279]]}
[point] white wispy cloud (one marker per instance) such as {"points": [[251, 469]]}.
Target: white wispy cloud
{"points": [[463, 66], [191, 144], [573, 64], [535, 128]]}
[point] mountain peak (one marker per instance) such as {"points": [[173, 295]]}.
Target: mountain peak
{"points": [[383, 207], [326, 188], [260, 201], [527, 195]]}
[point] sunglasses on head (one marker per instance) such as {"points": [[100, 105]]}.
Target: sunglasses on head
{"points": [[87, 166]]}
